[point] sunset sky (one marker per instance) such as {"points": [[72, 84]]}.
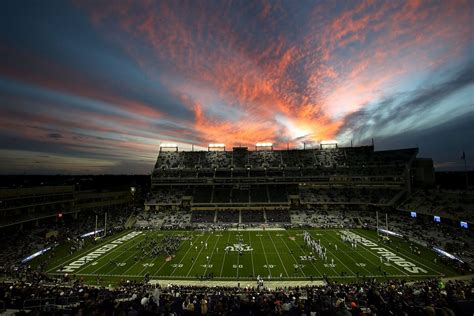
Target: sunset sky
{"points": [[96, 86]]}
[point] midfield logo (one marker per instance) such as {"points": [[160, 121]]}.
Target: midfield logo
{"points": [[239, 247]]}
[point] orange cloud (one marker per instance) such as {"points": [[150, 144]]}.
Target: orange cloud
{"points": [[312, 79]]}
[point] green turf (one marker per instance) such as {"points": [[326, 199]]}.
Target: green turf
{"points": [[274, 254]]}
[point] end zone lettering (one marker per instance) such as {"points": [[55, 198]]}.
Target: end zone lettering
{"points": [[390, 256], [71, 267]]}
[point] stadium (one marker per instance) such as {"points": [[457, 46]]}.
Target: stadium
{"points": [[243, 220], [250, 157]]}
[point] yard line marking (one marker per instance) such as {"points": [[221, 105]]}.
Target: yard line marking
{"points": [[82, 253], [294, 258], [210, 257], [198, 237], [368, 250], [413, 259], [225, 253], [278, 253], [237, 270], [265, 255], [336, 274], [185, 256], [251, 254], [120, 253], [140, 261], [195, 260], [133, 264], [317, 270], [345, 245], [327, 249], [194, 239]]}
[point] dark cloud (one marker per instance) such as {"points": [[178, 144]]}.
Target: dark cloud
{"points": [[444, 143], [55, 135], [394, 109]]}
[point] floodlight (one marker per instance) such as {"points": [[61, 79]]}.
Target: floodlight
{"points": [[168, 145], [446, 254], [329, 142], [264, 144]]}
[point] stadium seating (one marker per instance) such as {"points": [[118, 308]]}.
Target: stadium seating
{"points": [[203, 216], [228, 216], [430, 297], [278, 216], [456, 205], [252, 216]]}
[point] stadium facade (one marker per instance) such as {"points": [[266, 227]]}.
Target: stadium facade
{"points": [[283, 179]]}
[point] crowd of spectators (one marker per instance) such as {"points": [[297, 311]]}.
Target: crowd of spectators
{"points": [[164, 219], [348, 195], [203, 216], [166, 195], [430, 297], [357, 160], [218, 159], [278, 216], [319, 218]]}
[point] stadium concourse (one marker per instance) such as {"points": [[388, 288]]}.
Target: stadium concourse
{"points": [[318, 231]]}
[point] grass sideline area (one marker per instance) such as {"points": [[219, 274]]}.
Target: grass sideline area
{"points": [[272, 255]]}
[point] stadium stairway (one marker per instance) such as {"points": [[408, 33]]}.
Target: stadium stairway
{"points": [[131, 220], [397, 197]]}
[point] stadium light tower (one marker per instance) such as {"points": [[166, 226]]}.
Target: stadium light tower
{"points": [[216, 147], [328, 144], [168, 147], [263, 146]]}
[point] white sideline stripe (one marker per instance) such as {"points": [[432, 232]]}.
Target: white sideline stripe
{"points": [[337, 276]]}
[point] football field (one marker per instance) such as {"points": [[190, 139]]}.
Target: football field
{"points": [[244, 255]]}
